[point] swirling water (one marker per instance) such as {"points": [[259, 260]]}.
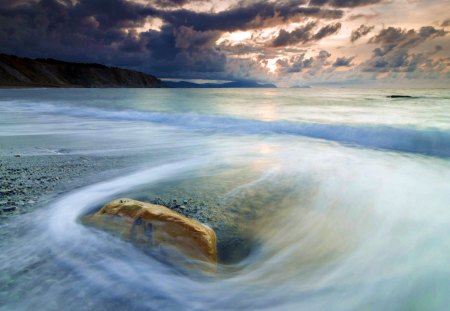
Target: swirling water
{"points": [[345, 193]]}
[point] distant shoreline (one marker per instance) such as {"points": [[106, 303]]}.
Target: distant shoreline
{"points": [[19, 72]]}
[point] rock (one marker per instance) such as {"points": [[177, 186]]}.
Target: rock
{"points": [[152, 226], [17, 155], [399, 96], [9, 209]]}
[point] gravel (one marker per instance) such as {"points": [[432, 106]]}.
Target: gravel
{"points": [[28, 182]]}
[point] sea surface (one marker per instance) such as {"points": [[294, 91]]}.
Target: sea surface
{"points": [[343, 193]]}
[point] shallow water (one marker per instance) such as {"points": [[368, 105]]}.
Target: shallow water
{"points": [[345, 195]]}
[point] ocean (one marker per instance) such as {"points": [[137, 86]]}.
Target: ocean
{"points": [[333, 198]]}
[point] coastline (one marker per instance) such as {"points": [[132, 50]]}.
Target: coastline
{"points": [[31, 182]]}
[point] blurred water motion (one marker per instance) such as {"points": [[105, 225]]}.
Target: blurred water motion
{"points": [[343, 195]]}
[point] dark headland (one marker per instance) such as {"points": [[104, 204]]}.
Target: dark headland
{"points": [[25, 72]]}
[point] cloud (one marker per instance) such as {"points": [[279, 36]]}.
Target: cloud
{"points": [[327, 30], [446, 23], [304, 34], [172, 3], [295, 64], [194, 38], [184, 50], [105, 31], [343, 62], [361, 31], [187, 38], [344, 3], [394, 54], [302, 64], [401, 38], [299, 35], [255, 15], [367, 17], [113, 31]]}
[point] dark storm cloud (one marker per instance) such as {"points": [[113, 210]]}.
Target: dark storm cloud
{"points": [[400, 38], [367, 17], [323, 55], [86, 31], [304, 34], [344, 3], [301, 63], [105, 31], [171, 3], [394, 53], [299, 35], [295, 64], [112, 13], [360, 32], [245, 49], [327, 30], [343, 62], [253, 16], [166, 38], [174, 49]]}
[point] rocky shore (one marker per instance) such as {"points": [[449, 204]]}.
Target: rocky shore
{"points": [[30, 182]]}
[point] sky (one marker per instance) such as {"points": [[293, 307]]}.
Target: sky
{"points": [[369, 43]]}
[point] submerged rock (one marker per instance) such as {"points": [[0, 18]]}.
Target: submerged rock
{"points": [[399, 96], [152, 226]]}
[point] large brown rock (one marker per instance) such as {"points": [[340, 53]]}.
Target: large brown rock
{"points": [[157, 227]]}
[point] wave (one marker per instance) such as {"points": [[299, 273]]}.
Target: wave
{"points": [[433, 142], [324, 245]]}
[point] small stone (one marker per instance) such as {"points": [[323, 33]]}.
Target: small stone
{"points": [[17, 155], [182, 207], [9, 209], [185, 201]]}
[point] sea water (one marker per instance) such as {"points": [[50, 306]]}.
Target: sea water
{"points": [[343, 193]]}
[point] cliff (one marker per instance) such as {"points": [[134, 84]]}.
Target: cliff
{"points": [[25, 72]]}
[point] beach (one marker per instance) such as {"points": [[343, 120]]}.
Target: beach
{"points": [[318, 197]]}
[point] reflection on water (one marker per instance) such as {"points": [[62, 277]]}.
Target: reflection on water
{"points": [[317, 225]]}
